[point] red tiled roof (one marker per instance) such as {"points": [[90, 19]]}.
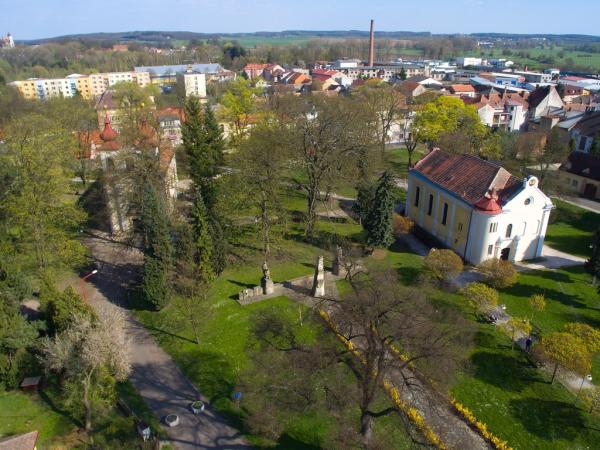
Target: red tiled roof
{"points": [[468, 177], [25, 441], [461, 88]]}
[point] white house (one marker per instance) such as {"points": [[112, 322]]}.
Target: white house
{"points": [[477, 208]]}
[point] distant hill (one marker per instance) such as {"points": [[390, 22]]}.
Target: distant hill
{"points": [[155, 37], [163, 36]]}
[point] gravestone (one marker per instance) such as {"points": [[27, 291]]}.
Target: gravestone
{"points": [[318, 289], [266, 282], [258, 290], [338, 267]]}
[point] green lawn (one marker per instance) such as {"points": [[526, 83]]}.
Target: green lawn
{"points": [[501, 387], [571, 228], [517, 401], [22, 413]]}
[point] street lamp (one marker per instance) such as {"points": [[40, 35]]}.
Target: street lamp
{"points": [[82, 279]]}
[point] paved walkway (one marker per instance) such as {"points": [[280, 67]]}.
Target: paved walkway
{"points": [[552, 259], [584, 203], [155, 375]]}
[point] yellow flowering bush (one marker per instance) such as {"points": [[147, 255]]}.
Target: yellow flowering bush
{"points": [[481, 427]]}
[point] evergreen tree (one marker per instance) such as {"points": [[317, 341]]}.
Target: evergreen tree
{"points": [[379, 221], [402, 74], [194, 139], [203, 240], [592, 265], [364, 201], [158, 257]]}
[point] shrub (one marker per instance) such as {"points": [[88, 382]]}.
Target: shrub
{"points": [[588, 334], [481, 297], [401, 225], [443, 264], [498, 273]]}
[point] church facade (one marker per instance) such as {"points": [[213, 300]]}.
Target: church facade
{"points": [[477, 208]]}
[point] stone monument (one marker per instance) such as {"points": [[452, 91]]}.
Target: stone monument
{"points": [[338, 267], [266, 282], [318, 289]]}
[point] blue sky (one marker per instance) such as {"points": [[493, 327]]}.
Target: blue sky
{"points": [[29, 19]]}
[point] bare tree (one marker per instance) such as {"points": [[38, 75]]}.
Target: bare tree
{"points": [[379, 313], [87, 352], [376, 314], [326, 137]]}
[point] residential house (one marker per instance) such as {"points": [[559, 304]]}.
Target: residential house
{"points": [[412, 88], [424, 80], [26, 441], [254, 70], [501, 110], [543, 101], [580, 174], [169, 120], [477, 208], [272, 72], [462, 90]]}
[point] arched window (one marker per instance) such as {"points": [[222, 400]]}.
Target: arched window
{"points": [[509, 231]]}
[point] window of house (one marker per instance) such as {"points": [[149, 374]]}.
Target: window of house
{"points": [[574, 183], [430, 207], [460, 226], [582, 142], [493, 227], [509, 230], [490, 249], [445, 214], [417, 195]]}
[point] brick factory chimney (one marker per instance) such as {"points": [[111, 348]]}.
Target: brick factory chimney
{"points": [[372, 45]]}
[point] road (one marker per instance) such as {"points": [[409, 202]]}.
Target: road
{"points": [[155, 375]]}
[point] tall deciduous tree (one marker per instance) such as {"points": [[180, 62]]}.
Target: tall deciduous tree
{"points": [[239, 103], [35, 167], [449, 121], [87, 353], [385, 104], [554, 151], [325, 136], [260, 167], [379, 221]]}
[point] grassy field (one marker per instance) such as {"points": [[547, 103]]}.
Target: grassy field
{"points": [[558, 55], [571, 229], [22, 413]]}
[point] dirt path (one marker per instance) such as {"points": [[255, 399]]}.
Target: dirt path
{"points": [[155, 375]]}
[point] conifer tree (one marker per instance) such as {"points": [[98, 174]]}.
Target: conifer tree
{"points": [[379, 221], [203, 240], [158, 254], [592, 265], [364, 201]]}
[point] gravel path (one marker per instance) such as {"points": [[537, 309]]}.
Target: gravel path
{"points": [[155, 375]]}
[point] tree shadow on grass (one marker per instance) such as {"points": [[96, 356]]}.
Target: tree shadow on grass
{"points": [[286, 442], [525, 291], [48, 400], [211, 372], [548, 419], [510, 373]]}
